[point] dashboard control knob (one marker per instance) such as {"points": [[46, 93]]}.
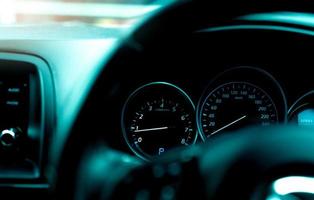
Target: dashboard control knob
{"points": [[8, 137]]}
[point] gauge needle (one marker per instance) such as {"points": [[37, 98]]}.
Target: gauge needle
{"points": [[151, 129], [226, 126]]}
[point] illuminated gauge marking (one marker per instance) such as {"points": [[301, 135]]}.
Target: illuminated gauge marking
{"points": [[157, 118], [235, 105]]}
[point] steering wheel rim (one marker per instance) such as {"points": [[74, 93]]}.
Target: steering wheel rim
{"points": [[164, 26], [246, 163]]}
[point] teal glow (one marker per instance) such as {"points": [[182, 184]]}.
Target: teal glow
{"points": [[273, 198], [158, 171], [294, 184], [306, 117], [296, 18], [260, 27], [26, 186], [297, 102], [168, 193], [143, 195], [74, 80], [100, 163], [174, 169], [75, 77]]}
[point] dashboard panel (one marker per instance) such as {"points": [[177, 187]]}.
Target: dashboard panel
{"points": [[213, 61], [26, 118], [159, 116], [248, 75], [234, 99], [41, 113]]}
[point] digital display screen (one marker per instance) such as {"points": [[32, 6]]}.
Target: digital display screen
{"points": [[306, 117]]}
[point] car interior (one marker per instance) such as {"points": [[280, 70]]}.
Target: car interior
{"points": [[189, 99]]}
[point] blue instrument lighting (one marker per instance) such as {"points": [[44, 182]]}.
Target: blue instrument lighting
{"points": [[306, 117]]}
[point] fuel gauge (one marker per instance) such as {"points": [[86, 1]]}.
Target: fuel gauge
{"points": [[302, 111]]}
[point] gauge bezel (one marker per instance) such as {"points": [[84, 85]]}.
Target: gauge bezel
{"points": [[300, 104], [238, 82], [142, 89], [255, 76]]}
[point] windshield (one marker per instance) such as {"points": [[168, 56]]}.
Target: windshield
{"points": [[105, 13]]}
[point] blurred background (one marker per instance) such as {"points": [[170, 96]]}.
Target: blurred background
{"points": [[105, 13]]}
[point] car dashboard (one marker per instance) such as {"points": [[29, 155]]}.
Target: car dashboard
{"points": [[144, 102], [219, 72]]}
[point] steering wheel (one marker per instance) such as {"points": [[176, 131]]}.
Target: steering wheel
{"points": [[241, 165]]}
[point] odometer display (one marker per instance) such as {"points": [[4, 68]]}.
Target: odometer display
{"points": [[235, 105]]}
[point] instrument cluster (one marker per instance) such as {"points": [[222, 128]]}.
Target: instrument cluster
{"points": [[158, 117]]}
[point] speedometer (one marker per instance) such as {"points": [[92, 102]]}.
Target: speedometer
{"points": [[234, 105]]}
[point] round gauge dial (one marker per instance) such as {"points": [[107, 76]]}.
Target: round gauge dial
{"points": [[235, 105], [302, 111], [158, 117]]}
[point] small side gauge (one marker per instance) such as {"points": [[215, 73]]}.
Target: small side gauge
{"points": [[158, 117], [235, 105], [302, 111]]}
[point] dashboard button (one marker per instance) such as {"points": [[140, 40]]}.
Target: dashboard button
{"points": [[12, 103], [14, 90], [8, 137]]}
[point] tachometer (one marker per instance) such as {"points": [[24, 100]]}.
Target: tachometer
{"points": [[158, 117], [235, 105]]}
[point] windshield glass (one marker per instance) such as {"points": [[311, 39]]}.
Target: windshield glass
{"points": [[105, 13]]}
